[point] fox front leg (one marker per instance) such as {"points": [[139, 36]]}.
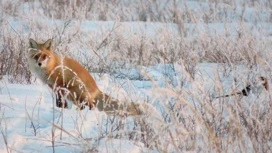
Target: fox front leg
{"points": [[61, 101]]}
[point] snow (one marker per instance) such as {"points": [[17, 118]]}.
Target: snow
{"points": [[30, 121], [29, 114]]}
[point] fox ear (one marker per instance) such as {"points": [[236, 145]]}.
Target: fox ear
{"points": [[33, 44], [48, 44]]}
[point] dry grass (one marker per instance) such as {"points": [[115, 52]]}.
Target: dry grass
{"points": [[193, 121]]}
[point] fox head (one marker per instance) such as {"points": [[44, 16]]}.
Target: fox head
{"points": [[39, 53], [41, 58]]}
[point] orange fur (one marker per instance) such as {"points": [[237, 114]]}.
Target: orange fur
{"points": [[69, 79]]}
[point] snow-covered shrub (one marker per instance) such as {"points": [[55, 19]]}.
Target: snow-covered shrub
{"points": [[153, 50]]}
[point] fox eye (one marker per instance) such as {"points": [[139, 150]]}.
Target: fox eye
{"points": [[40, 64], [43, 57]]}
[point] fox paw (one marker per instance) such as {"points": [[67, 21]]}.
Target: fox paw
{"points": [[61, 104]]}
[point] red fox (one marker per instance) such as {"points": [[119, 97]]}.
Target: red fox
{"points": [[70, 80]]}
